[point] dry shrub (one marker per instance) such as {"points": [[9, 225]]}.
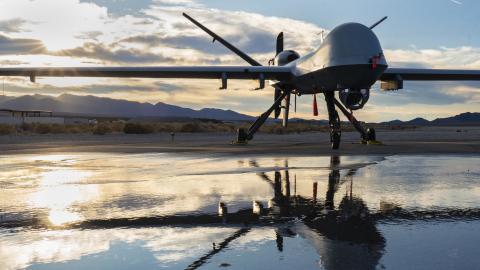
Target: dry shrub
{"points": [[166, 127], [117, 126], [7, 129], [27, 127], [42, 128], [57, 129], [193, 126], [190, 127], [138, 128], [101, 129], [79, 128], [204, 127]]}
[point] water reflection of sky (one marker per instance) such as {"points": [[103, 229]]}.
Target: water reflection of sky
{"points": [[53, 191]]}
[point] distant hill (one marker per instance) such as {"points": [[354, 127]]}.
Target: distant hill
{"points": [[464, 119], [419, 121], [99, 106], [394, 122], [461, 119], [68, 104]]}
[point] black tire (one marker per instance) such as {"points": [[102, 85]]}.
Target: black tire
{"points": [[241, 135], [371, 136], [335, 139]]}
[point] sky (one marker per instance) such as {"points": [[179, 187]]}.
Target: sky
{"points": [[427, 33]]}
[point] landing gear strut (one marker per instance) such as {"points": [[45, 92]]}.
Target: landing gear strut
{"points": [[333, 120], [244, 135], [368, 135]]}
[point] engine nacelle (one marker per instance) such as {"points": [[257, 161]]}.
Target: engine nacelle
{"points": [[286, 57], [354, 99]]}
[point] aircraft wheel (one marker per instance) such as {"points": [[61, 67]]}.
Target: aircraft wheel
{"points": [[335, 139], [241, 135], [371, 136]]}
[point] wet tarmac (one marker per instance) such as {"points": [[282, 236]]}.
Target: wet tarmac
{"points": [[150, 211]]}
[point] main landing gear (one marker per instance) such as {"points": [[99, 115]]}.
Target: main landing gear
{"points": [[367, 135]]}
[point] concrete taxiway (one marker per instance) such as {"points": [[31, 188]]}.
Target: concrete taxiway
{"points": [[424, 140]]}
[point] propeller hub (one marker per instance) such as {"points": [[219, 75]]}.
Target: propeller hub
{"points": [[286, 57]]}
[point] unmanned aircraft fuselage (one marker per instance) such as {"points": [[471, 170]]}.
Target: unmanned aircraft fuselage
{"points": [[350, 57]]}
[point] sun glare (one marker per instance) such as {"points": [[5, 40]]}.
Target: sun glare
{"points": [[60, 189], [61, 217]]}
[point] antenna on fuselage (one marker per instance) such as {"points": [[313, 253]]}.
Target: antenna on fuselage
{"points": [[379, 22]]}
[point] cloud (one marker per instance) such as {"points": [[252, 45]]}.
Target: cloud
{"points": [[456, 2], [90, 35], [464, 57], [250, 34], [201, 44], [56, 22], [108, 54], [430, 93], [11, 63], [163, 29], [176, 3], [12, 25], [143, 90], [20, 46], [433, 93]]}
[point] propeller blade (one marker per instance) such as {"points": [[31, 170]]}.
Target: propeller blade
{"points": [[286, 109], [280, 43], [278, 109], [315, 105]]}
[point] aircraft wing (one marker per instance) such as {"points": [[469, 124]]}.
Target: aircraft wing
{"points": [[199, 72], [412, 74]]}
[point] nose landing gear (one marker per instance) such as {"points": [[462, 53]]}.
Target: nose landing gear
{"points": [[333, 120], [368, 135]]}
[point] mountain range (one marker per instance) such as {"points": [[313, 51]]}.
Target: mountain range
{"points": [[463, 119], [100, 106]]}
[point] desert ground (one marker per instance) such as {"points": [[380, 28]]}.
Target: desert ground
{"points": [[422, 140]]}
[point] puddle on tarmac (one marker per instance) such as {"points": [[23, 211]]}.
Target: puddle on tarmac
{"points": [[145, 211]]}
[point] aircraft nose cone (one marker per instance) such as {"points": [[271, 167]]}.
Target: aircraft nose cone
{"points": [[350, 44]]}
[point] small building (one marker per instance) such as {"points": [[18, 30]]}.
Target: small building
{"points": [[18, 117]]}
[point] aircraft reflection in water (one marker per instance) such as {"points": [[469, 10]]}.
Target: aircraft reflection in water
{"points": [[355, 240]]}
